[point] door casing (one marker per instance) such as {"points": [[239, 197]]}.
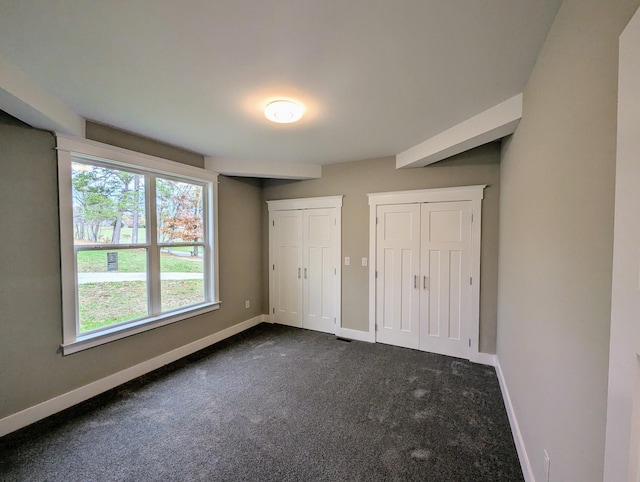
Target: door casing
{"points": [[474, 194], [305, 204]]}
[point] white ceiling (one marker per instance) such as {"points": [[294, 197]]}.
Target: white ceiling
{"points": [[376, 76]]}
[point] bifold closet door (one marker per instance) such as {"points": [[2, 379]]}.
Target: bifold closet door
{"points": [[287, 267], [445, 298], [319, 269], [397, 271]]}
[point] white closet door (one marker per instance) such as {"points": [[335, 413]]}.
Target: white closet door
{"points": [[445, 278], [398, 269], [319, 269], [287, 267]]}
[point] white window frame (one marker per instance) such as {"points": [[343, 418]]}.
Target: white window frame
{"points": [[68, 147]]}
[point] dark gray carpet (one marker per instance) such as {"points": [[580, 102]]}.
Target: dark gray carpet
{"points": [[281, 404]]}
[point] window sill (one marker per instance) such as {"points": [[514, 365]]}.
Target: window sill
{"points": [[91, 340]]}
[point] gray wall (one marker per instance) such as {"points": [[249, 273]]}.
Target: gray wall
{"points": [[31, 368], [556, 231], [355, 179], [128, 140], [8, 119]]}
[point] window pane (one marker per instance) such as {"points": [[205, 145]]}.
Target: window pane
{"points": [[179, 210], [181, 277], [112, 287], [108, 205]]}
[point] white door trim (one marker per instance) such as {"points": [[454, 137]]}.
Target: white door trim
{"points": [[474, 194], [305, 203]]}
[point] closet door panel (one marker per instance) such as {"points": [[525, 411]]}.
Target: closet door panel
{"points": [[287, 269], [431, 303], [319, 269], [455, 295], [397, 265], [445, 266]]}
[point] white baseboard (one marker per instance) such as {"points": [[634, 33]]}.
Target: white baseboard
{"points": [[515, 428], [483, 359], [42, 410], [356, 335]]}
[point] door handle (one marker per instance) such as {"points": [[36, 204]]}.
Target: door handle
{"points": [[305, 273], [425, 282], [415, 281], [298, 273]]}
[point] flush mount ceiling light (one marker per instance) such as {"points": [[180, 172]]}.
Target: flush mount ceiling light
{"points": [[283, 111]]}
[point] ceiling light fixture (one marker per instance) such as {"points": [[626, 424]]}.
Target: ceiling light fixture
{"points": [[283, 111]]}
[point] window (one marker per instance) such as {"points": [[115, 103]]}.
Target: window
{"points": [[138, 243]]}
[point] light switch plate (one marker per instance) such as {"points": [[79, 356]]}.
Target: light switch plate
{"points": [[347, 261], [364, 261]]}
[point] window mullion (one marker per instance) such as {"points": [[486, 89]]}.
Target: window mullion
{"points": [[153, 266]]}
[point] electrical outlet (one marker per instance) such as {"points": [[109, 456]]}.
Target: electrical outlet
{"points": [[347, 261], [247, 304], [364, 261], [547, 465]]}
